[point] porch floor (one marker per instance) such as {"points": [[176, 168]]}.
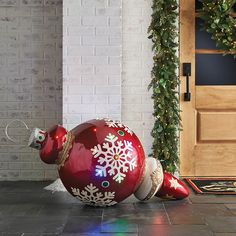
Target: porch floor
{"points": [[27, 209]]}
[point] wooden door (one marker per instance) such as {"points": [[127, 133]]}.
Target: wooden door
{"points": [[208, 139]]}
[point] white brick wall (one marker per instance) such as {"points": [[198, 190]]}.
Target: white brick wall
{"points": [[30, 82], [92, 60], [137, 106], [93, 85], [107, 61]]}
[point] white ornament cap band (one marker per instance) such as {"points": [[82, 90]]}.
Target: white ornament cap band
{"points": [[37, 138], [152, 180]]}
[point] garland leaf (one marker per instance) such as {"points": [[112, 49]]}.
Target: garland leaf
{"points": [[219, 21], [164, 83]]}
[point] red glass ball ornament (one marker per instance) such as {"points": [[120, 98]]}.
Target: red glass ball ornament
{"points": [[100, 162]]}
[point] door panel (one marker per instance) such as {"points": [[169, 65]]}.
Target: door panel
{"points": [[216, 126], [215, 97], [215, 160], [208, 139]]}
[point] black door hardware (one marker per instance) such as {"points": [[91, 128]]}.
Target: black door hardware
{"points": [[187, 73]]}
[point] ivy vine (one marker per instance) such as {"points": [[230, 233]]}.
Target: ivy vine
{"points": [[164, 83], [221, 24], [219, 21]]}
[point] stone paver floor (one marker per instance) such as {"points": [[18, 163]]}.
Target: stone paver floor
{"points": [[27, 209]]}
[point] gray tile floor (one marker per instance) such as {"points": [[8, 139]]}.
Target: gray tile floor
{"points": [[26, 209]]}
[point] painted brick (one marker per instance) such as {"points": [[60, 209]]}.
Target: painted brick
{"points": [[94, 80], [43, 97], [137, 106], [80, 30], [132, 116], [131, 99], [32, 174], [32, 2], [94, 21], [72, 118], [20, 166], [8, 3], [114, 99], [114, 80], [50, 174], [114, 21], [88, 78], [42, 166], [96, 40], [19, 114], [108, 51], [9, 106], [109, 11], [19, 97], [73, 21], [3, 165], [103, 108], [72, 99], [115, 3], [91, 3], [95, 99], [86, 117], [42, 11], [9, 175], [97, 60], [77, 50], [44, 115], [79, 11], [78, 90], [109, 90], [113, 31], [80, 70], [81, 108], [31, 61], [107, 70], [117, 40], [53, 2], [114, 61]]}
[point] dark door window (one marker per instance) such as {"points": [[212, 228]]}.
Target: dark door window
{"points": [[212, 67]]}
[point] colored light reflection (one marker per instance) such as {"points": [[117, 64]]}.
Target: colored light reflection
{"points": [[107, 228], [118, 227]]}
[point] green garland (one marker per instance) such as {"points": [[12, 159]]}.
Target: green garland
{"points": [[219, 22], [163, 33]]}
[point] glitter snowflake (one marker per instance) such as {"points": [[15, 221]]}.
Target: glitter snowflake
{"points": [[91, 196], [118, 124], [115, 158]]}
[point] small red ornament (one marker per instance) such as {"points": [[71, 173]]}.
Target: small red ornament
{"points": [[172, 188], [100, 162]]}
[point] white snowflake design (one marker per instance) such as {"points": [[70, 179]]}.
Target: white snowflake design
{"points": [[115, 158], [118, 124], [91, 196]]}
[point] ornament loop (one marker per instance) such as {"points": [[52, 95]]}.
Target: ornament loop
{"points": [[13, 121]]}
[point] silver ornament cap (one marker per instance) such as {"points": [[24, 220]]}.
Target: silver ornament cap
{"points": [[37, 138], [152, 180]]}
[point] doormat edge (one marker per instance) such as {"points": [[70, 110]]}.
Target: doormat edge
{"points": [[197, 190]]}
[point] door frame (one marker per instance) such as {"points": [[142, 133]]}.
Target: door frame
{"points": [[188, 112]]}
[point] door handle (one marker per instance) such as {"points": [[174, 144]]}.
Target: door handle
{"points": [[187, 73]]}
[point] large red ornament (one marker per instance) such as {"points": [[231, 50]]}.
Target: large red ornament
{"points": [[172, 188], [100, 162]]}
